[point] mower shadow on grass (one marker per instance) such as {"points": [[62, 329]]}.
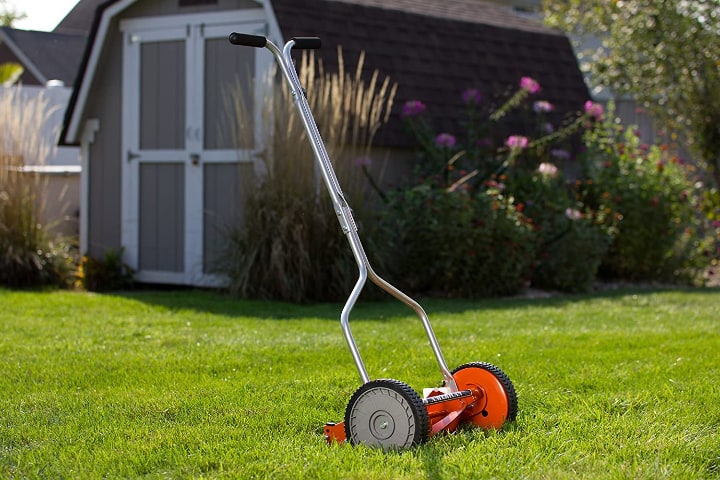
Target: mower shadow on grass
{"points": [[217, 302]]}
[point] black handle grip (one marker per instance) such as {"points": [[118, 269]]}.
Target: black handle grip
{"points": [[307, 43], [247, 40]]}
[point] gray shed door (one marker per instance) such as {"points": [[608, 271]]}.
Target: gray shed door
{"points": [[186, 172]]}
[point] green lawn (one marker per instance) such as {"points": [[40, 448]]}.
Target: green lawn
{"points": [[622, 384]]}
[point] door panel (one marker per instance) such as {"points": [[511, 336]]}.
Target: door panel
{"points": [[162, 217], [162, 95], [229, 74], [186, 171], [226, 186]]}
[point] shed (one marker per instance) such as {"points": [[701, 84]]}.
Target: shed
{"points": [[159, 179]]}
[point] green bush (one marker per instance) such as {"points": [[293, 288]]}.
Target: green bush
{"points": [[656, 203], [106, 274], [456, 243], [532, 224], [570, 250], [571, 241]]}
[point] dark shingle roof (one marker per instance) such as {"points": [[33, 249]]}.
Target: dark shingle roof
{"points": [[435, 50], [473, 11], [53, 56], [79, 20]]}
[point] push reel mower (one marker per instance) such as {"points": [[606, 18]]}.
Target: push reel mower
{"points": [[388, 413]]}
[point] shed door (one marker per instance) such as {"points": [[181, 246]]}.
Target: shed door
{"points": [[187, 169]]}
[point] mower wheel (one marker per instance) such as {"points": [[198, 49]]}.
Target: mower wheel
{"points": [[387, 414], [497, 400]]}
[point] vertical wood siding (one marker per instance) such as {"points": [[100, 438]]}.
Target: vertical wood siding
{"points": [[162, 95], [162, 217], [225, 188], [225, 68]]}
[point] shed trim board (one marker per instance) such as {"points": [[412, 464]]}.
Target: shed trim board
{"points": [[190, 158], [93, 59], [92, 125]]}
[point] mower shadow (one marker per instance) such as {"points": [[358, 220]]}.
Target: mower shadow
{"points": [[432, 454], [219, 303]]}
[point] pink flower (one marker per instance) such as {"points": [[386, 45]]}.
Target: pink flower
{"points": [[594, 110], [412, 108], [543, 106], [573, 214], [362, 162], [445, 140], [529, 85], [548, 169], [516, 141], [471, 96]]}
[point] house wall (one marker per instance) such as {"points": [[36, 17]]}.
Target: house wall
{"points": [[58, 168], [62, 200]]}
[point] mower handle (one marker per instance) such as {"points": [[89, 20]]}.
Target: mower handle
{"points": [[260, 41], [342, 209]]}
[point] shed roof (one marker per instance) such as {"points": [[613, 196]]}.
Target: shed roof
{"points": [[47, 55], [433, 49], [79, 20]]}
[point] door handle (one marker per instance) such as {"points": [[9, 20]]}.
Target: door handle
{"points": [[195, 158]]}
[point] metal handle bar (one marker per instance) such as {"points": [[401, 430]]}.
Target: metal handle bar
{"points": [[259, 41], [342, 209]]}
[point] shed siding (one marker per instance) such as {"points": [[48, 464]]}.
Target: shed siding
{"points": [[162, 217], [229, 72], [162, 95], [105, 104], [104, 165], [226, 187]]}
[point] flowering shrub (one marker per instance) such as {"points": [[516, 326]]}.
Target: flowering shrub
{"points": [[656, 200], [455, 243], [636, 213], [534, 228]]}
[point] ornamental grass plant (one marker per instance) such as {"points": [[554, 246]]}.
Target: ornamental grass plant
{"points": [[30, 254], [291, 246]]}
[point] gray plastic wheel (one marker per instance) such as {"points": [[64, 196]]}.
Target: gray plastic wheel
{"points": [[386, 414]]}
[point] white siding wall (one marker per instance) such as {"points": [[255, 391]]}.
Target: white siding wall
{"points": [[62, 165]]}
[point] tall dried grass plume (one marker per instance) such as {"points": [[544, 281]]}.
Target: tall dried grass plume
{"points": [[29, 255], [291, 246]]}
